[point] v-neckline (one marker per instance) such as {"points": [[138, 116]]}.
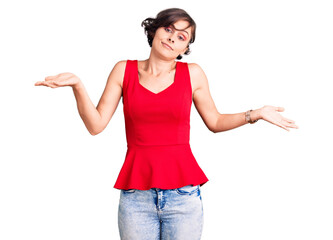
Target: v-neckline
{"points": [[164, 90]]}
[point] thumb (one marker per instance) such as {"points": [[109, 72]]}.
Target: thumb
{"points": [[55, 83], [59, 83], [279, 109]]}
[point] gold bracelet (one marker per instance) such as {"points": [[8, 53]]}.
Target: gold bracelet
{"points": [[248, 117]]}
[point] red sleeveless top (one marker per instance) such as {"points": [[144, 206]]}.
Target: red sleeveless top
{"points": [[158, 134]]}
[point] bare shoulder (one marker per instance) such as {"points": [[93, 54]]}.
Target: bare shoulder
{"points": [[118, 72], [121, 63], [120, 66], [198, 76], [194, 69]]}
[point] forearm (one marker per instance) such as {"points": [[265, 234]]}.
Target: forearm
{"points": [[227, 122], [88, 112]]}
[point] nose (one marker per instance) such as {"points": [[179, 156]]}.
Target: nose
{"points": [[170, 40]]}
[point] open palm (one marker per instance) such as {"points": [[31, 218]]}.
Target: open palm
{"points": [[60, 80], [271, 114]]}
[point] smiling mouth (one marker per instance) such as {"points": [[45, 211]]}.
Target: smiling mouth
{"points": [[167, 46]]}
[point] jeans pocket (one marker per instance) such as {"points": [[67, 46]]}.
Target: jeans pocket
{"points": [[187, 190], [128, 191]]}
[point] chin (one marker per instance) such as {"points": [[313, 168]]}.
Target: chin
{"points": [[164, 55]]}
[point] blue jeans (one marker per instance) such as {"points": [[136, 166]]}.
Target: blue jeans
{"points": [[158, 214]]}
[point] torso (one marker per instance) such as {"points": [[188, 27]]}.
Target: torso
{"points": [[159, 83]]}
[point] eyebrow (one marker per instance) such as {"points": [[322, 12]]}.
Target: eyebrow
{"points": [[182, 30]]}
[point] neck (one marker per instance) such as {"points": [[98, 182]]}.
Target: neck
{"points": [[156, 66]]}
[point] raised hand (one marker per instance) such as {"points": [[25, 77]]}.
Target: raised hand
{"points": [[270, 114], [60, 80]]}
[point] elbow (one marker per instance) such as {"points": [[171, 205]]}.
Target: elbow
{"points": [[94, 132], [212, 127], [97, 130], [213, 130], [218, 131], [218, 125]]}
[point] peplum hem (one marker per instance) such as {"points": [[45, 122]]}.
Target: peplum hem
{"points": [[159, 166]]}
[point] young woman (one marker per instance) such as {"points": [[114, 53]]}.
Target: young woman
{"points": [[160, 179]]}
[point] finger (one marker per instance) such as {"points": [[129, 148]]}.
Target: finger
{"points": [[53, 84], [288, 120], [293, 126], [47, 84], [48, 78], [285, 128], [289, 123], [280, 124], [55, 77], [60, 83], [39, 83], [279, 109]]}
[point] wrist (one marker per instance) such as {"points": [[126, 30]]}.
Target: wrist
{"points": [[78, 86], [256, 115], [252, 116]]}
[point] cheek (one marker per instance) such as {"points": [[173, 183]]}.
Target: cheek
{"points": [[160, 33], [182, 47]]}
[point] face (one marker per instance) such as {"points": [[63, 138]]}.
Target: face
{"points": [[173, 40]]}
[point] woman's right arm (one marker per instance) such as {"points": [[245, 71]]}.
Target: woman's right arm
{"points": [[94, 118]]}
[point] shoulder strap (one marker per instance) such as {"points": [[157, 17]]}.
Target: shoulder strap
{"points": [[184, 75], [129, 76]]}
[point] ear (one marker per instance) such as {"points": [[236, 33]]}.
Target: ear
{"points": [[184, 51]]}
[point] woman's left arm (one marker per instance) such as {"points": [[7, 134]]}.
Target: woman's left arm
{"points": [[217, 122]]}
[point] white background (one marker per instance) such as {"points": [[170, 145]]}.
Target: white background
{"points": [[56, 180]]}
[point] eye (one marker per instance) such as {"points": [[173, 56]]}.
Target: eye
{"points": [[182, 38], [168, 29]]}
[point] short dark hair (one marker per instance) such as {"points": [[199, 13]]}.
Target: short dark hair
{"points": [[166, 18]]}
